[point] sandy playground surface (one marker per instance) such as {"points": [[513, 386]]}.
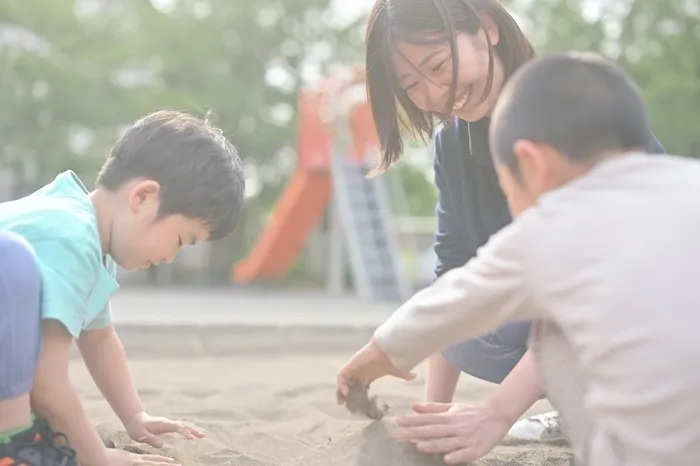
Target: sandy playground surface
{"points": [[267, 397]]}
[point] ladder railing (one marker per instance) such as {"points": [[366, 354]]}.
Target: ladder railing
{"points": [[370, 238]]}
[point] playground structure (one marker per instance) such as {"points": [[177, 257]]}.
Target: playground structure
{"points": [[337, 146]]}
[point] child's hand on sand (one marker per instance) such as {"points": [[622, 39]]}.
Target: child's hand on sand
{"points": [[125, 458], [462, 433], [367, 365], [145, 428]]}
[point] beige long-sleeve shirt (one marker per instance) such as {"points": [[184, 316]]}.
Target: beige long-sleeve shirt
{"points": [[609, 268]]}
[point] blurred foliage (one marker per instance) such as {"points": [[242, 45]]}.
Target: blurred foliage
{"points": [[656, 41], [73, 73]]}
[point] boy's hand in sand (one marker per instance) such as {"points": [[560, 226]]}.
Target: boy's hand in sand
{"points": [[462, 433], [367, 365], [145, 428], [125, 458]]}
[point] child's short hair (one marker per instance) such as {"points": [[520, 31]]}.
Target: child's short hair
{"points": [[579, 103], [199, 170]]}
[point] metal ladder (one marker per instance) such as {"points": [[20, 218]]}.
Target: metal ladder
{"points": [[364, 213]]}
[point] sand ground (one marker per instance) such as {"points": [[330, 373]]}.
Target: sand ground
{"points": [[264, 391]]}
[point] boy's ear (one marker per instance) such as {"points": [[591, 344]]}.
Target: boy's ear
{"points": [[531, 158], [143, 194]]}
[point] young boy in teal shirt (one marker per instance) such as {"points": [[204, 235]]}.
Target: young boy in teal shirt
{"points": [[171, 180]]}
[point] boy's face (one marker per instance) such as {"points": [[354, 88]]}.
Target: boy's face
{"points": [[141, 239], [541, 169]]}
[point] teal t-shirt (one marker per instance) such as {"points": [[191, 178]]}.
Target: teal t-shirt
{"points": [[60, 223]]}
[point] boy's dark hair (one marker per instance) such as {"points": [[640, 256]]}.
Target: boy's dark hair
{"points": [[581, 104], [425, 22], [199, 171]]}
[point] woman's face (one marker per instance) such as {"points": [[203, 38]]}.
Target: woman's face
{"points": [[425, 73]]}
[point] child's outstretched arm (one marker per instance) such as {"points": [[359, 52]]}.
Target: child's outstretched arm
{"points": [[490, 290], [55, 398], [105, 359], [465, 302]]}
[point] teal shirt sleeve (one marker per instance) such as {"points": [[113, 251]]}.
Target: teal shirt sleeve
{"points": [[68, 276], [101, 320]]}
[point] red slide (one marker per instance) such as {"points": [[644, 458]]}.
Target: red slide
{"points": [[309, 192], [295, 216]]}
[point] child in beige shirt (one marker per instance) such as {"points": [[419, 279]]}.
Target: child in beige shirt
{"points": [[603, 254]]}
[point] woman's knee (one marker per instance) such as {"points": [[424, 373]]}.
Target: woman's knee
{"points": [[492, 356], [512, 335]]}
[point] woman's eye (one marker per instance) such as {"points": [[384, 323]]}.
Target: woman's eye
{"points": [[408, 88], [437, 67]]}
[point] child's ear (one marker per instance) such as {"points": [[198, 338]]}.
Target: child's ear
{"points": [[143, 194], [528, 154], [538, 163]]}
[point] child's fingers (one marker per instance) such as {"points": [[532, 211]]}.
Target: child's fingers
{"points": [[428, 408], [191, 431], [342, 391], [405, 375], [150, 439], [349, 374], [155, 460]]}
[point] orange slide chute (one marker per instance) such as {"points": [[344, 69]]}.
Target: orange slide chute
{"points": [[297, 213]]}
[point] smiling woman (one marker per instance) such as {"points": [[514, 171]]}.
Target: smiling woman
{"points": [[437, 57], [431, 61]]}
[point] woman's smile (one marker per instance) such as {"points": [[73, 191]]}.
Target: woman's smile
{"points": [[462, 101]]}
